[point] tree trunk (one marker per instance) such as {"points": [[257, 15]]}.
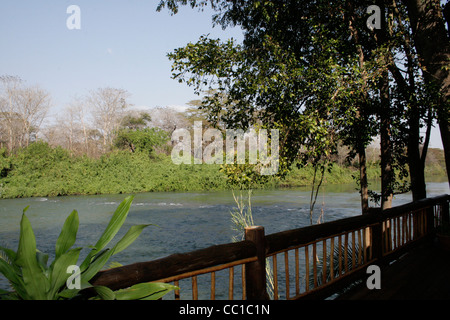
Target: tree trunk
{"points": [[363, 181], [385, 121], [415, 163], [433, 47], [360, 144], [416, 166], [386, 145]]}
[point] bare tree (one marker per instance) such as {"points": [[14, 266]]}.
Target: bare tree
{"points": [[108, 106], [78, 126], [168, 119], [8, 120], [22, 111], [32, 106]]}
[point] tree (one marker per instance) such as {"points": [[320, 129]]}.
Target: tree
{"points": [[427, 23], [9, 117], [315, 69], [167, 118], [108, 106], [273, 76], [22, 110], [135, 136], [137, 121], [141, 140], [78, 109], [32, 105]]}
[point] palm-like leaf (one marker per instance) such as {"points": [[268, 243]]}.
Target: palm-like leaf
{"points": [[31, 277]]}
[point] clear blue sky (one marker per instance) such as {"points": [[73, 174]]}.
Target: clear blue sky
{"points": [[121, 44]]}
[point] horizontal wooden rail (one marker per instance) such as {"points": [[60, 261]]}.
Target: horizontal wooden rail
{"points": [[291, 238], [313, 262], [176, 264]]}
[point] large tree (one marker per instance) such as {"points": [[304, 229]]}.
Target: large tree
{"points": [[316, 70], [108, 106], [433, 46]]}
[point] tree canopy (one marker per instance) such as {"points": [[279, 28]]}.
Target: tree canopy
{"points": [[315, 70]]}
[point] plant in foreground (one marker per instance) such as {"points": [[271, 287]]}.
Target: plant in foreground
{"points": [[31, 278]]}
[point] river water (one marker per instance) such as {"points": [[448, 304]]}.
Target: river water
{"points": [[185, 221]]}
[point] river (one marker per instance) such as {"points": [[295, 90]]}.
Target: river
{"points": [[184, 221]]}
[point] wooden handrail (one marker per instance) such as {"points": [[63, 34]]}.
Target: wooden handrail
{"points": [[257, 246], [126, 276], [291, 238]]}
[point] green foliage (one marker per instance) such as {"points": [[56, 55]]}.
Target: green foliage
{"points": [[5, 165], [33, 279], [141, 140], [41, 170], [322, 76], [139, 122]]}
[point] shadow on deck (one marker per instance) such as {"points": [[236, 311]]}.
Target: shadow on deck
{"points": [[421, 274]]}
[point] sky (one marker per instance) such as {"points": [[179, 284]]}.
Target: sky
{"points": [[120, 44]]}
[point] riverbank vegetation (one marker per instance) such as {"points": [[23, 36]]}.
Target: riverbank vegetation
{"points": [[80, 155], [42, 170]]}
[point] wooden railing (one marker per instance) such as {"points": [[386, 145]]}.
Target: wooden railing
{"points": [[310, 262]]}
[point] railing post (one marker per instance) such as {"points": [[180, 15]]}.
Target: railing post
{"points": [[377, 240], [445, 211], [430, 219], [255, 272]]}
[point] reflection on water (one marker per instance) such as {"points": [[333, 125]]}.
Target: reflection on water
{"points": [[185, 221]]}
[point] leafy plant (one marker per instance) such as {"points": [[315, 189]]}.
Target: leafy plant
{"points": [[143, 140], [33, 279], [339, 256]]}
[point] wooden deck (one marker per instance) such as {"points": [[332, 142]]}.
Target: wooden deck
{"points": [[343, 250], [422, 274]]}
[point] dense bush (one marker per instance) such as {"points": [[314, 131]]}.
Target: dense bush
{"points": [[141, 140], [40, 170]]}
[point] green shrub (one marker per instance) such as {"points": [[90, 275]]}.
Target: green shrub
{"points": [[33, 279]]}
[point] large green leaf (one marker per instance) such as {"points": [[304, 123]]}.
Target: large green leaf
{"points": [[105, 293], [31, 278], [145, 291], [37, 284], [14, 279], [132, 234], [100, 260], [59, 275], [71, 293], [42, 259], [10, 254], [68, 234], [96, 264], [111, 230], [115, 223]]}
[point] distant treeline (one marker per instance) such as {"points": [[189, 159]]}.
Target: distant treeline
{"points": [[42, 170]]}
